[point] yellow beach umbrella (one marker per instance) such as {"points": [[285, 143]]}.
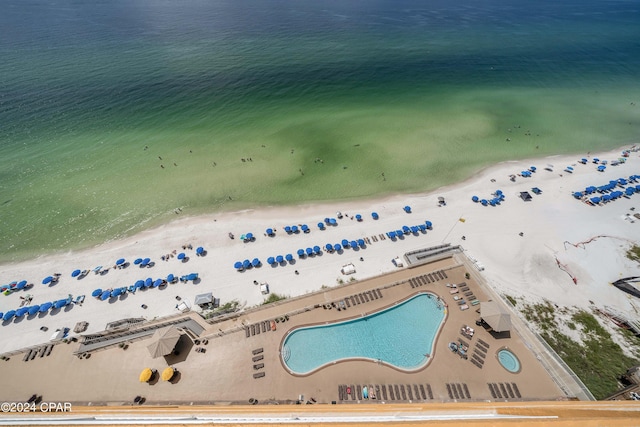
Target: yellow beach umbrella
{"points": [[145, 375], [167, 374]]}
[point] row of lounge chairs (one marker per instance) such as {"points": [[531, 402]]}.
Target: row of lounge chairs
{"points": [[479, 353], [425, 279], [257, 328], [257, 356], [406, 392], [504, 390], [356, 299], [40, 351], [458, 391]]}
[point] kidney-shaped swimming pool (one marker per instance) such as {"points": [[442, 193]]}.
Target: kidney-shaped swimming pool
{"points": [[401, 336]]}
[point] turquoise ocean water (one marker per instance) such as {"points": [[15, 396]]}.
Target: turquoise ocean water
{"points": [[114, 113]]}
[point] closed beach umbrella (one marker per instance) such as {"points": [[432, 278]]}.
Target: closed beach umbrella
{"points": [[9, 315], [181, 255], [288, 257], [145, 375], [199, 250], [75, 273], [317, 249], [374, 215], [337, 247], [237, 265], [358, 217], [21, 311], [407, 209], [271, 260], [270, 232], [328, 247], [137, 261], [361, 243], [45, 307], [255, 262], [309, 251], [96, 293], [246, 263], [105, 295], [279, 259], [120, 261], [34, 309], [301, 253], [47, 280], [321, 226], [167, 374]]}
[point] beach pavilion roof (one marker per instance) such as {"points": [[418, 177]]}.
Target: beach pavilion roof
{"points": [[164, 341], [496, 316], [203, 299]]}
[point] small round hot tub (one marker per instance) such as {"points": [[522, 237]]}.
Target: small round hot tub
{"points": [[508, 360]]}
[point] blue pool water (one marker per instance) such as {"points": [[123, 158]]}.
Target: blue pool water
{"points": [[401, 336], [509, 361]]}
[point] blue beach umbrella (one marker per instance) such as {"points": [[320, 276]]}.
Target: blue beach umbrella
{"points": [[270, 232], [374, 215], [192, 276], [137, 261], [304, 228], [34, 309], [358, 217], [601, 168], [345, 243], [595, 200], [337, 247], [327, 220], [321, 225], [288, 257], [116, 292], [596, 160], [249, 236], [583, 161], [21, 285], [96, 293], [146, 261], [255, 262], [120, 261], [181, 255], [271, 260], [532, 168], [484, 202], [47, 280], [309, 251], [237, 265], [361, 243], [317, 249], [171, 278], [422, 227], [429, 224], [246, 264], [60, 303], [157, 283], [328, 247], [287, 229], [294, 229], [399, 233], [405, 229], [474, 199], [75, 273], [22, 311], [139, 284], [148, 282], [199, 250], [333, 221], [353, 244], [9, 315], [577, 194], [414, 229], [279, 259], [45, 307], [407, 209], [301, 253]]}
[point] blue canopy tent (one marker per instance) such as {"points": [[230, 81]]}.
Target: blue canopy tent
{"points": [[22, 311], [304, 228], [345, 243], [317, 250], [200, 250], [47, 280], [328, 247], [181, 256], [429, 224], [34, 309], [374, 215], [246, 264], [301, 253], [237, 265], [337, 247], [358, 217], [288, 257], [270, 232], [76, 273], [279, 259], [120, 261], [9, 315], [475, 199], [361, 243], [321, 225], [407, 209], [271, 260], [309, 251], [45, 307], [255, 262], [96, 293]]}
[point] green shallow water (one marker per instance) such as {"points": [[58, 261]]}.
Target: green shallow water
{"points": [[425, 94]]}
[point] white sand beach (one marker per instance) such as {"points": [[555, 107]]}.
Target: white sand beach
{"points": [[521, 245]]}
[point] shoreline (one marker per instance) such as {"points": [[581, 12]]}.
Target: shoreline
{"points": [[521, 244]]}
